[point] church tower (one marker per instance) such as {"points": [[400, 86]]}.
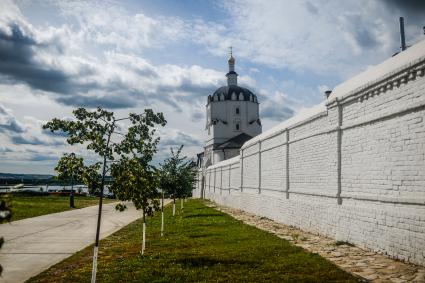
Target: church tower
{"points": [[232, 119]]}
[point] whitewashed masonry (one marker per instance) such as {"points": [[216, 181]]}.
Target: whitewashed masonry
{"points": [[352, 168]]}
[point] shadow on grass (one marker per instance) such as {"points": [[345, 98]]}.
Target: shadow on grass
{"points": [[204, 215], [201, 235], [206, 224], [207, 261]]}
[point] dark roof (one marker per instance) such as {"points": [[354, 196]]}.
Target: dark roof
{"points": [[235, 142], [228, 90]]}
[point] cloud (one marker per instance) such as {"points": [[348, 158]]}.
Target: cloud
{"points": [[100, 54], [43, 157], [29, 133], [24, 58], [175, 138], [8, 122], [4, 149], [23, 53], [197, 116], [114, 80], [107, 23], [413, 9], [305, 36], [276, 108], [107, 101], [33, 140]]}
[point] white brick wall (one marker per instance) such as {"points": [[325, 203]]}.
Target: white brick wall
{"points": [[356, 169]]}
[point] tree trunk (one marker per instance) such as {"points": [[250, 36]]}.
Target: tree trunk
{"points": [[162, 214], [181, 204], [144, 233], [162, 223], [71, 194], [99, 216], [174, 206]]}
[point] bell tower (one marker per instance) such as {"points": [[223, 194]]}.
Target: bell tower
{"points": [[232, 118]]}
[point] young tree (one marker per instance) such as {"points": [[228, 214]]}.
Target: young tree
{"points": [[70, 169], [177, 176], [133, 181], [95, 129], [134, 178]]}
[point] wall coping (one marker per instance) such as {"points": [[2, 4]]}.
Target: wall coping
{"points": [[389, 67]]}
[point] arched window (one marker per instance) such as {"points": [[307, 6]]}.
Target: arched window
{"points": [[234, 96], [236, 125], [240, 96], [222, 97]]}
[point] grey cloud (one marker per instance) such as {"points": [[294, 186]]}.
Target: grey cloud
{"points": [[146, 72], [42, 157], [5, 149], [179, 139], [18, 62], [363, 30], [276, 112], [20, 139], [365, 38], [110, 101], [55, 134], [196, 90], [9, 124], [311, 8], [192, 92], [414, 9], [197, 116]]}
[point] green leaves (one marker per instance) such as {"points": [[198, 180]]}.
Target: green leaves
{"points": [[121, 207], [136, 182], [177, 175], [95, 129], [140, 140], [92, 128], [134, 177], [92, 178], [70, 167]]}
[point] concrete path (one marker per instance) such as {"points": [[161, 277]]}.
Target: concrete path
{"points": [[34, 244]]}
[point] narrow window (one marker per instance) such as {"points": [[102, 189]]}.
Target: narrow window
{"points": [[237, 110], [237, 127]]}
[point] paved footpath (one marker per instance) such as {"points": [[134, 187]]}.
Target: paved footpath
{"points": [[34, 244]]}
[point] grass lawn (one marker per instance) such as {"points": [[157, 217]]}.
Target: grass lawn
{"points": [[24, 206], [199, 245]]}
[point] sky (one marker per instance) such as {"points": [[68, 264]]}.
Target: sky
{"points": [[127, 56]]}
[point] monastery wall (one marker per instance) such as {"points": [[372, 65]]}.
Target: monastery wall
{"points": [[351, 168]]}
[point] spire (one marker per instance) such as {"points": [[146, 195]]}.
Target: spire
{"points": [[232, 76]]}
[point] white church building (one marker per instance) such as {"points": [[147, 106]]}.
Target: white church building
{"points": [[232, 119]]}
